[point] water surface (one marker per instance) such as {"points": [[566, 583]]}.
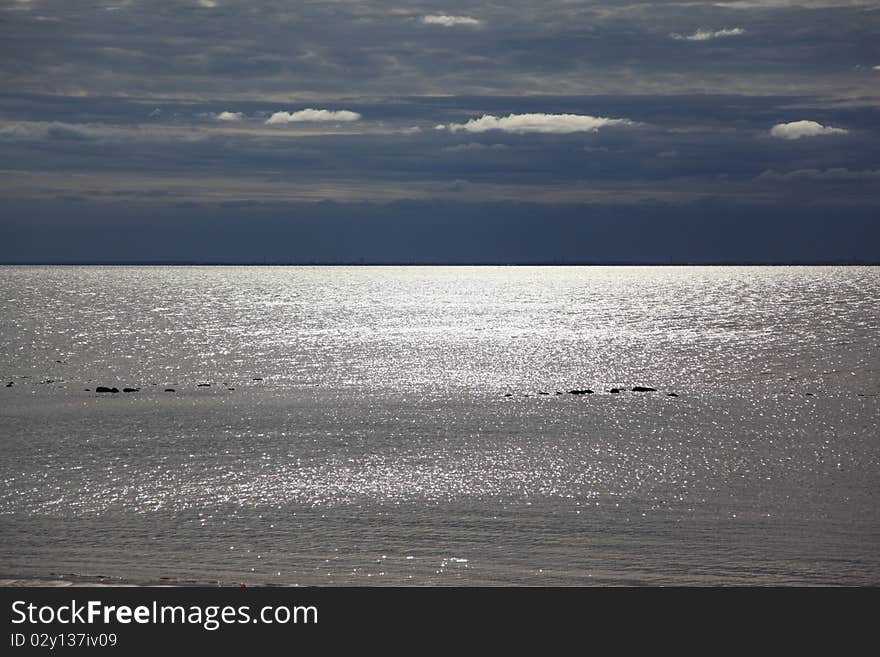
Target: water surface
{"points": [[384, 425]]}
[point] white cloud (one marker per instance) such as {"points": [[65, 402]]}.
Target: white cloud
{"points": [[876, 68], [542, 123], [229, 116], [705, 35], [312, 115], [798, 129], [450, 21], [208, 3]]}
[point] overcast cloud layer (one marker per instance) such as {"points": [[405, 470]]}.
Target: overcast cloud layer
{"points": [[170, 109]]}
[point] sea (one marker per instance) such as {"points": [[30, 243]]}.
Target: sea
{"points": [[440, 426]]}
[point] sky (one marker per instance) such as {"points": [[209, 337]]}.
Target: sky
{"points": [[559, 131]]}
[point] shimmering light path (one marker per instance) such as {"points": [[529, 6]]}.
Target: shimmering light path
{"points": [[386, 425]]}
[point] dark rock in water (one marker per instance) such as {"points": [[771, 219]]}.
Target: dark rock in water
{"points": [[59, 361], [559, 393], [170, 390], [10, 384], [257, 378], [131, 390], [580, 392], [614, 391], [671, 394], [87, 389], [643, 389], [106, 389], [809, 394], [230, 388], [543, 393], [203, 385], [508, 394]]}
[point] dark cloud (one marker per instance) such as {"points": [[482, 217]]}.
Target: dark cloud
{"points": [[179, 48], [717, 142], [168, 106]]}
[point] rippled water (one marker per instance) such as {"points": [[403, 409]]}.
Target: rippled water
{"points": [[385, 425]]}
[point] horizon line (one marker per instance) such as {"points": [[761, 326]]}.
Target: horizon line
{"points": [[854, 262]]}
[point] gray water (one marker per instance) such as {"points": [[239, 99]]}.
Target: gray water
{"points": [[358, 430]]}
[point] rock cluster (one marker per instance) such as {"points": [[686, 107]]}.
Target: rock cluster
{"points": [[588, 391]]}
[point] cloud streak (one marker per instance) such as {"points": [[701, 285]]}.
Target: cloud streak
{"points": [[312, 116], [473, 147], [839, 174], [538, 123], [799, 129], [450, 21], [706, 35], [34, 130]]}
